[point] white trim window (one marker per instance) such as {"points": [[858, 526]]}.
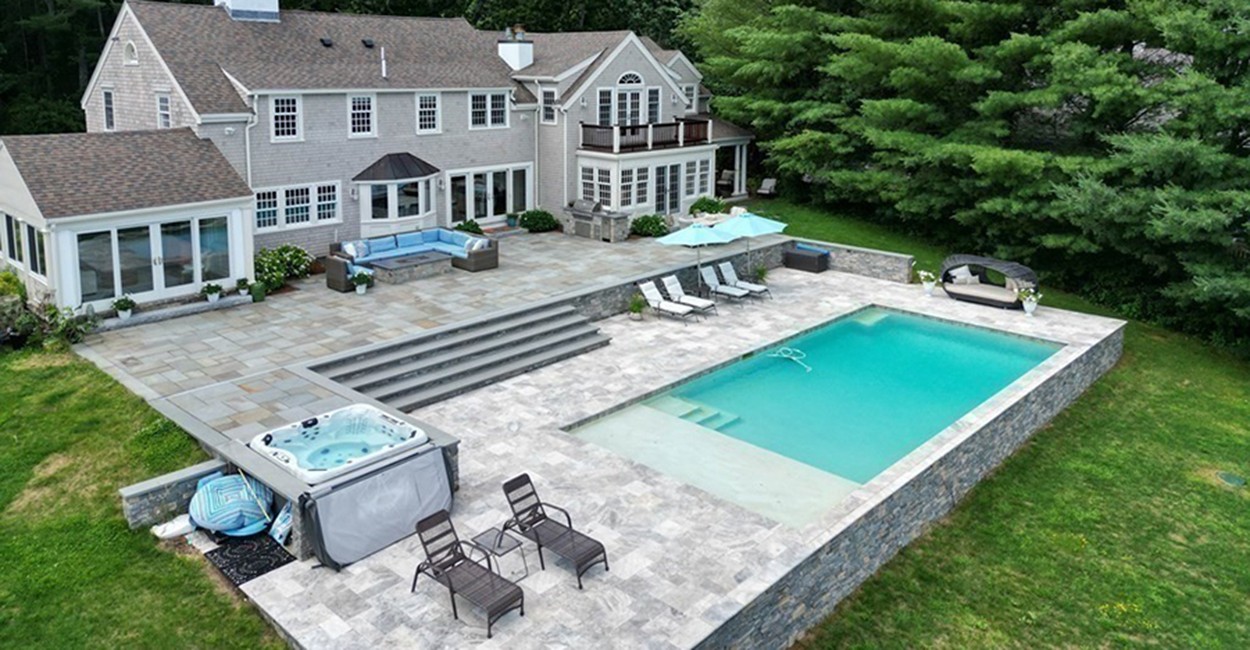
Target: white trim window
{"points": [[641, 176], [692, 99], [13, 240], [110, 116], [287, 118], [549, 106], [588, 183], [705, 176], [605, 107], [627, 188], [297, 206], [692, 173], [653, 105], [362, 116], [36, 252], [411, 198], [488, 110], [164, 111], [429, 117], [633, 192], [597, 185]]}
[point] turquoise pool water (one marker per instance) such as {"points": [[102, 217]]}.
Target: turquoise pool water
{"points": [[881, 384]]}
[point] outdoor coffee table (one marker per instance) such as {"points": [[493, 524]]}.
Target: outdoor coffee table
{"points": [[398, 270], [499, 545]]}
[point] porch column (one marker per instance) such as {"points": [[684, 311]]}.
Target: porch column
{"points": [[740, 170]]}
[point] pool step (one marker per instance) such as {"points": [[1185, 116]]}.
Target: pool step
{"points": [[674, 406], [692, 411], [718, 420]]}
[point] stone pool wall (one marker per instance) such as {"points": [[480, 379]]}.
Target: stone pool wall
{"points": [[873, 533], [164, 497]]}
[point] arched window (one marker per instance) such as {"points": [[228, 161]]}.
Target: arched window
{"points": [[630, 79], [131, 53]]}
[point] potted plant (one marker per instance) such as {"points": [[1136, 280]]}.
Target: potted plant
{"points": [[511, 218], [240, 285], [636, 304], [761, 274], [361, 280], [928, 280], [258, 291], [211, 291], [1029, 297], [124, 306]]}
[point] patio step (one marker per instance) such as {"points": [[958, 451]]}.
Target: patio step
{"points": [[551, 331], [488, 371], [399, 352]]}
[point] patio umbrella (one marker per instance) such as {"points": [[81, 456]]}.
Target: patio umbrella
{"points": [[697, 236], [749, 225]]}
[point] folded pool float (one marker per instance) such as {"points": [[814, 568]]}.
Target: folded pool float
{"points": [[232, 505]]}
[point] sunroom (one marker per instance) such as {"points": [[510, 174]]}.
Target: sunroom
{"points": [[154, 215]]}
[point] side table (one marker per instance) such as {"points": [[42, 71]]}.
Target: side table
{"points": [[501, 544]]}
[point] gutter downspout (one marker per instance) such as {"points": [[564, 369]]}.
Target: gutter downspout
{"points": [[249, 241], [538, 117], [565, 156]]}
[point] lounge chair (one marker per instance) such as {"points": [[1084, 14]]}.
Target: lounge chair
{"points": [[448, 564], [768, 187], [709, 278], [665, 307], [675, 291], [731, 279], [529, 518]]}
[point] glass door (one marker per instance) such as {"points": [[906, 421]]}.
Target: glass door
{"points": [[135, 260], [668, 189], [459, 199], [177, 256]]}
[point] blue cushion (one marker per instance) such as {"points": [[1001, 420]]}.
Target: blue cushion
{"points": [[353, 269], [409, 239], [382, 244], [430, 236], [450, 249], [813, 249]]}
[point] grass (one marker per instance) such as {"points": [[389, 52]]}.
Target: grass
{"points": [[1109, 529], [72, 574]]}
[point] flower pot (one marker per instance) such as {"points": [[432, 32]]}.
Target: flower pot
{"points": [[361, 289], [258, 292], [512, 222], [1030, 306], [635, 315], [213, 297], [928, 288], [123, 314]]}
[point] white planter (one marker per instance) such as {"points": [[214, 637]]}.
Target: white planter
{"points": [[635, 316], [928, 287], [361, 289], [123, 314], [213, 297], [1030, 306]]}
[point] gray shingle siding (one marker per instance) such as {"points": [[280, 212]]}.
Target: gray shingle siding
{"points": [[134, 86]]}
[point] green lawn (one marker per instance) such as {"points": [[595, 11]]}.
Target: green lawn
{"points": [[1108, 529], [71, 574]]}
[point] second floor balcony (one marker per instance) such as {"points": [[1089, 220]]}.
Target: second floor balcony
{"points": [[623, 138]]}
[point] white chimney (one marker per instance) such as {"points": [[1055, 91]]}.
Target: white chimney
{"points": [[254, 10], [515, 50]]}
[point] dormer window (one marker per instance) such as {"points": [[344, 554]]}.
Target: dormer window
{"points": [[130, 54]]}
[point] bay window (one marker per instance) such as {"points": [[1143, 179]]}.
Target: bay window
{"points": [[401, 199]]}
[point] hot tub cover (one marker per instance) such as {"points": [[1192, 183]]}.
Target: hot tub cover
{"points": [[231, 504]]}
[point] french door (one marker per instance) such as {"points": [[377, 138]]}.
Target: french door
{"points": [[488, 195], [153, 261], [668, 189], [628, 107]]}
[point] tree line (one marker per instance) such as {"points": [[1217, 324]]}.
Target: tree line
{"points": [[48, 48], [1104, 142]]}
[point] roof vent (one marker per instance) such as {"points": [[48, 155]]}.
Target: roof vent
{"points": [[264, 11], [367, 42], [326, 41]]}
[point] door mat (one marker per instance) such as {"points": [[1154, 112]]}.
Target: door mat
{"points": [[242, 559]]}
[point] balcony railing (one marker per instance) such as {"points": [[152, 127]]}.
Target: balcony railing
{"points": [[643, 137]]}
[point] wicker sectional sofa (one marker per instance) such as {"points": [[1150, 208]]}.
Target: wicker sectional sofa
{"points": [[467, 251]]}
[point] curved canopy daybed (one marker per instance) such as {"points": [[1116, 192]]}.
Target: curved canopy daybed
{"points": [[964, 277]]}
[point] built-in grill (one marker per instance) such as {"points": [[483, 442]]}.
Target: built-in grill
{"points": [[592, 221]]}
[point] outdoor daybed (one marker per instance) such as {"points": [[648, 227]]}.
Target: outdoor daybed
{"points": [[965, 277]]}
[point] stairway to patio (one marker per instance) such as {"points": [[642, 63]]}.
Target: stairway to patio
{"points": [[426, 368]]}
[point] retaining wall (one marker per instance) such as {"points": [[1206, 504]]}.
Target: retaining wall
{"points": [[162, 498]]}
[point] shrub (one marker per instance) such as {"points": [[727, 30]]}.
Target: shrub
{"points": [[12, 285], [709, 204], [274, 266], [470, 226], [24, 325], [538, 221], [649, 225]]}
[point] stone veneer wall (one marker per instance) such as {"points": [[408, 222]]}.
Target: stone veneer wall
{"points": [[159, 499], [811, 591]]}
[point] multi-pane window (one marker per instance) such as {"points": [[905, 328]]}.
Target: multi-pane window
{"points": [[692, 172], [164, 112], [398, 200], [266, 209], [286, 118], [605, 107], [605, 186], [588, 183], [653, 105], [298, 200], [488, 110], [549, 107], [690, 95], [640, 185], [36, 253], [427, 114], [627, 188], [110, 122], [13, 236], [360, 116], [327, 202], [705, 176]]}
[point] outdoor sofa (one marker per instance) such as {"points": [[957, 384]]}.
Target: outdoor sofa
{"points": [[467, 251], [965, 277]]}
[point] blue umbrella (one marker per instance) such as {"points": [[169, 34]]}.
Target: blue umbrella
{"points": [[697, 236], [750, 225]]}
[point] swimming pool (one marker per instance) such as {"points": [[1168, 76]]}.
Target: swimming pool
{"points": [[330, 444], [788, 436]]}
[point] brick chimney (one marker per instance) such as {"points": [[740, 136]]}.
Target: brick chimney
{"points": [[265, 11], [516, 50]]}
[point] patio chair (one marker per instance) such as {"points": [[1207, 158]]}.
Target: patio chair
{"points": [[714, 284], [768, 187], [731, 279], [665, 307], [675, 291], [530, 519], [448, 564]]}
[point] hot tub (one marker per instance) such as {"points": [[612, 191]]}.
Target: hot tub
{"points": [[331, 444]]}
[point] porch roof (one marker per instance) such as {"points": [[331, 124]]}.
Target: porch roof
{"points": [[395, 167]]}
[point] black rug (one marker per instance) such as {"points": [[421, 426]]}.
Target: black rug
{"points": [[243, 558]]}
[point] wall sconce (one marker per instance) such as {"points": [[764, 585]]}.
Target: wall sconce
{"points": [[441, 183], [353, 192], [583, 101], [673, 98], [229, 130]]}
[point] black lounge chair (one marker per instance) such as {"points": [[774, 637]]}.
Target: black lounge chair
{"points": [[978, 288], [447, 563], [529, 518]]}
